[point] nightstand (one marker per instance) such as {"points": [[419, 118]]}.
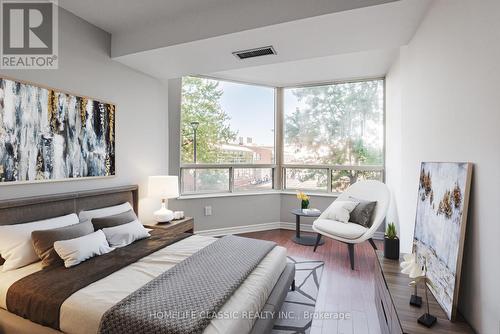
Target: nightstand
{"points": [[185, 225]]}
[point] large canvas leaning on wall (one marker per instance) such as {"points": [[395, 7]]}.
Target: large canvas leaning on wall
{"points": [[47, 135], [440, 225]]}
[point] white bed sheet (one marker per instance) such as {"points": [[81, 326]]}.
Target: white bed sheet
{"points": [[81, 312]]}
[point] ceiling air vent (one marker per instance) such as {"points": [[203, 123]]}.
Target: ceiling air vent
{"points": [[257, 52]]}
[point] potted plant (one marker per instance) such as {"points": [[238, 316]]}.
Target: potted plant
{"points": [[304, 200], [391, 242]]}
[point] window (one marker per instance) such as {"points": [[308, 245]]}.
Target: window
{"points": [[205, 180], [306, 179], [333, 135], [227, 129], [343, 178], [246, 179]]}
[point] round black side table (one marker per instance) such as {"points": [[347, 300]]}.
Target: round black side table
{"points": [[305, 240]]}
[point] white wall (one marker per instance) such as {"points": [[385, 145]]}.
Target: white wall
{"points": [[85, 68], [231, 211], [450, 111], [393, 148]]}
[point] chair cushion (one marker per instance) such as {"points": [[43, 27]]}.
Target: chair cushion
{"points": [[339, 229], [339, 210]]}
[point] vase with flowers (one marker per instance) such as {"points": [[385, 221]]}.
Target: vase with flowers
{"points": [[304, 200]]}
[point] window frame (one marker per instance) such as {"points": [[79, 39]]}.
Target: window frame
{"points": [[229, 166], [331, 168], [279, 167]]}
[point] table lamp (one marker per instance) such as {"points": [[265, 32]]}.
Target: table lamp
{"points": [[164, 187]]}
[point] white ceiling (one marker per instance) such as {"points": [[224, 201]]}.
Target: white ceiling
{"points": [[383, 27], [347, 66], [316, 40], [141, 25], [127, 15], [132, 15]]}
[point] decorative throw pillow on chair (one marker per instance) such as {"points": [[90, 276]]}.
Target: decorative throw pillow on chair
{"points": [[340, 211], [363, 212]]}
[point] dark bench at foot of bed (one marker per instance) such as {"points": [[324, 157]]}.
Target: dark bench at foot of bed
{"points": [[275, 301]]}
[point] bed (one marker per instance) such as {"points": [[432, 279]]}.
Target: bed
{"points": [[262, 292]]}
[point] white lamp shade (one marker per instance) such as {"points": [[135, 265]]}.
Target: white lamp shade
{"points": [[163, 186]]}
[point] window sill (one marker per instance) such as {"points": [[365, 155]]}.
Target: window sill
{"points": [[253, 193], [311, 193]]}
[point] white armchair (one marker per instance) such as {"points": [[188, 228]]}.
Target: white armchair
{"points": [[351, 233]]}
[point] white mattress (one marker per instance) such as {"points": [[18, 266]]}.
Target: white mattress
{"points": [[81, 312]]}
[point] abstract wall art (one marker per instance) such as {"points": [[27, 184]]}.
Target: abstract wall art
{"points": [[440, 225], [49, 135]]}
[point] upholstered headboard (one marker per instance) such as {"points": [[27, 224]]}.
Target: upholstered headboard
{"points": [[26, 209]]}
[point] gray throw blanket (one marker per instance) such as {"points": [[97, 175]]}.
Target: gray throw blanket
{"points": [[184, 299]]}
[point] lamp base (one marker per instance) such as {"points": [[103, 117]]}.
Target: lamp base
{"points": [[416, 301], [427, 320], [163, 215]]}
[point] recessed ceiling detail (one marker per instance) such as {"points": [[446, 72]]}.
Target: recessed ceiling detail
{"points": [[327, 39], [343, 34], [150, 24]]}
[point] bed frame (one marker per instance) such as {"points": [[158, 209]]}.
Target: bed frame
{"points": [[23, 210], [26, 209]]}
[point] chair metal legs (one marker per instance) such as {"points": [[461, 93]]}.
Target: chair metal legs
{"points": [[373, 244], [350, 248], [318, 239]]}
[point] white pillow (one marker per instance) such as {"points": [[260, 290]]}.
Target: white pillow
{"points": [[16, 247], [339, 211], [123, 235], [77, 250], [104, 212]]}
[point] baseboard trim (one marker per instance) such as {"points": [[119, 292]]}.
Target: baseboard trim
{"points": [[291, 226], [217, 232]]}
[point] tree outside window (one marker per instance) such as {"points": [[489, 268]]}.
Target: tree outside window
{"points": [[333, 135], [336, 125]]}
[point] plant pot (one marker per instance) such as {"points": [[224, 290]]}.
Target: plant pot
{"points": [[391, 248]]}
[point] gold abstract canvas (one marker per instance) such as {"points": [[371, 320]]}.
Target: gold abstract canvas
{"points": [[50, 135]]}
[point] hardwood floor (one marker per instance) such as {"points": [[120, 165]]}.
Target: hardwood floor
{"points": [[342, 290]]}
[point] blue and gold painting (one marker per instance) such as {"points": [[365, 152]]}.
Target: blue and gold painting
{"points": [[48, 135]]}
